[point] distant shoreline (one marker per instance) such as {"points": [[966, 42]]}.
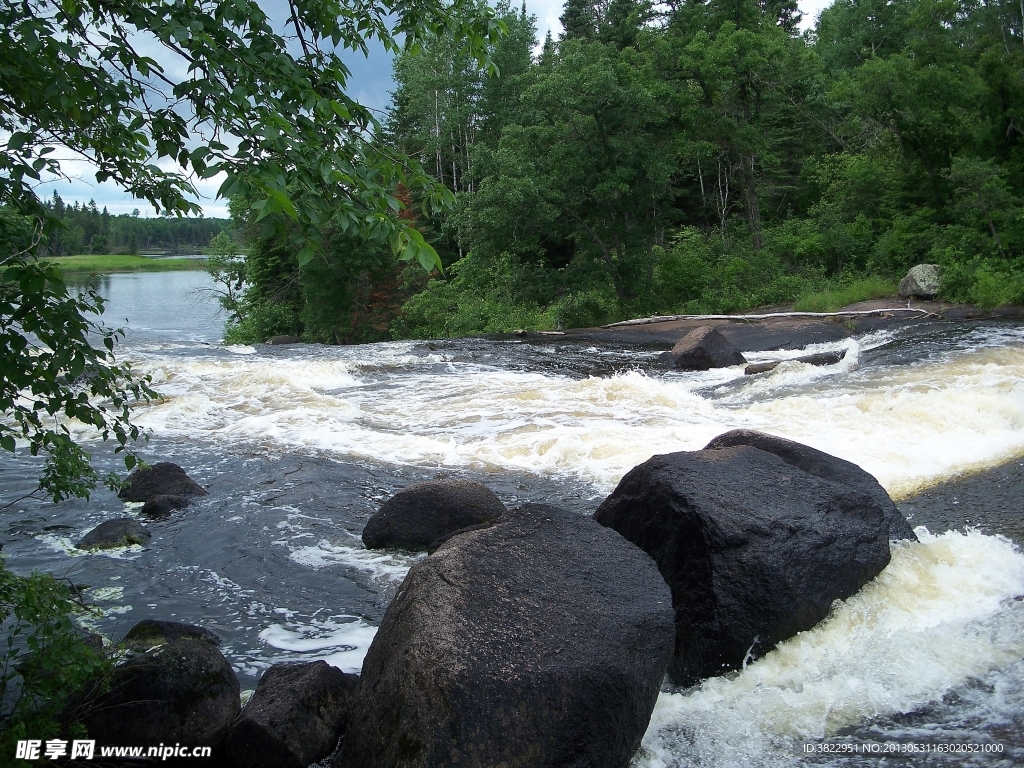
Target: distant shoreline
{"points": [[108, 264]]}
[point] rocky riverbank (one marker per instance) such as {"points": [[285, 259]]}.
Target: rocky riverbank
{"points": [[783, 331]]}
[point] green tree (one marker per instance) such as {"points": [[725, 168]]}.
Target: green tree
{"points": [[591, 167], [278, 125]]}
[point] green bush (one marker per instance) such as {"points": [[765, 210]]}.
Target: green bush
{"points": [[262, 321], [840, 295], [584, 309], [45, 659]]}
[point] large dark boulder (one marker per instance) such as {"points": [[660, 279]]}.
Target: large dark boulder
{"points": [[294, 718], [121, 532], [161, 478], [540, 641], [704, 348], [423, 513], [163, 504], [754, 549], [182, 692], [825, 466], [150, 632]]}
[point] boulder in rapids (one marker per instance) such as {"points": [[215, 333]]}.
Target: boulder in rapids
{"points": [[704, 348], [121, 532], [279, 340], [163, 504], [161, 478], [540, 641], [183, 692], [294, 718], [150, 632], [419, 515], [754, 549], [921, 282], [823, 465]]}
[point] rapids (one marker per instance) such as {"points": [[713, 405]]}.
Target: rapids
{"points": [[300, 444]]}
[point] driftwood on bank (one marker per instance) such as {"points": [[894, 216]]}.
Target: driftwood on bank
{"points": [[769, 316]]}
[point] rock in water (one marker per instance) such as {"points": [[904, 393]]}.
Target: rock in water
{"points": [[161, 478], [121, 532], [163, 504], [540, 641], [422, 513], [182, 692], [150, 632], [294, 718], [754, 549], [921, 282], [825, 466], [819, 358], [704, 348]]}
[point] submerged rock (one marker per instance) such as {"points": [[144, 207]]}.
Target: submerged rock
{"points": [[819, 358], [163, 504], [294, 718], [161, 478], [825, 466], [121, 532], [754, 549], [182, 692], [150, 632], [921, 282], [540, 641], [419, 515], [704, 348]]}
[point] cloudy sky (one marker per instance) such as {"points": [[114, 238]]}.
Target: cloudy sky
{"points": [[370, 85]]}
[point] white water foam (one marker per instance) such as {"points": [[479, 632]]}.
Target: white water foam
{"points": [[910, 425], [943, 612], [340, 641], [392, 566]]}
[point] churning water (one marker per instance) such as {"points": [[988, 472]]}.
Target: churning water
{"points": [[299, 445]]}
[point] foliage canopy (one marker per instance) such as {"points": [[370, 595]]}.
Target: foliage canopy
{"points": [[158, 95]]}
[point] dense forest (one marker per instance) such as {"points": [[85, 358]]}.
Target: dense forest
{"points": [[86, 229], [683, 157]]}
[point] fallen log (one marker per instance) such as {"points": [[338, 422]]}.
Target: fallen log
{"points": [[769, 316], [821, 358]]}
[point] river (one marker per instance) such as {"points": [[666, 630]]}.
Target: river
{"points": [[299, 445]]}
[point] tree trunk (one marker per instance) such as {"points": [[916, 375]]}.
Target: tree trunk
{"points": [[751, 205]]}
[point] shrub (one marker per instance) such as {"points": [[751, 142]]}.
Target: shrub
{"points": [[45, 658]]}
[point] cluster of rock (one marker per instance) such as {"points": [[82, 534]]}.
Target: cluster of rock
{"points": [[535, 636], [162, 487], [176, 687]]}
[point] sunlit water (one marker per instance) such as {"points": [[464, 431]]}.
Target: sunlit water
{"points": [[299, 445]]}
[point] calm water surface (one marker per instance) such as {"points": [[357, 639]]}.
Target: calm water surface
{"points": [[299, 446]]}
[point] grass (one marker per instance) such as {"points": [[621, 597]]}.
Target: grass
{"points": [[841, 296], [100, 263]]}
